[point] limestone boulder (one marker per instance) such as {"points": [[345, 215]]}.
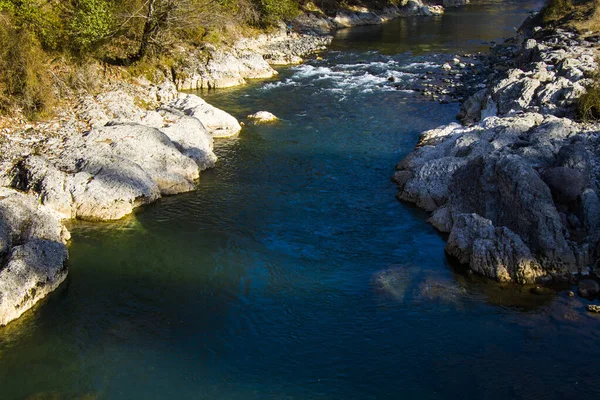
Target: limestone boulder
{"points": [[32, 250], [494, 252], [218, 122]]}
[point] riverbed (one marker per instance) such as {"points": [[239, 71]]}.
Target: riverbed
{"points": [[293, 272]]}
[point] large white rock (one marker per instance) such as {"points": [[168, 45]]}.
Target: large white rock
{"points": [[262, 117], [218, 122], [189, 136], [32, 246], [151, 150]]}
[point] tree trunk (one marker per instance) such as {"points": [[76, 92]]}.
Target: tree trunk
{"points": [[149, 29]]}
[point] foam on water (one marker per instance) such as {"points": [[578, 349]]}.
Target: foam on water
{"points": [[363, 77]]}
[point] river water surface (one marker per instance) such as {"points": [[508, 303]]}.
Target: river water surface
{"points": [[293, 273]]}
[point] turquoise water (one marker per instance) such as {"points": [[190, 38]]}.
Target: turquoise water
{"points": [[293, 273]]}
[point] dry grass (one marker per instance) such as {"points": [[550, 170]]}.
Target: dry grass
{"points": [[587, 17], [580, 15], [588, 105]]}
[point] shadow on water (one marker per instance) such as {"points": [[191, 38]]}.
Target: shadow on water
{"points": [[293, 272]]}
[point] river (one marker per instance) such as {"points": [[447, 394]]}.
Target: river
{"points": [[293, 272]]}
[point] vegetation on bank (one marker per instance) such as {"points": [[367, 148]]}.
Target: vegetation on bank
{"points": [[47, 45]]}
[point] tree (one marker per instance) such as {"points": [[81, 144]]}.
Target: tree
{"points": [[163, 18]]}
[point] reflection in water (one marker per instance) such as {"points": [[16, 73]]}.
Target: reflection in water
{"points": [[293, 273]]}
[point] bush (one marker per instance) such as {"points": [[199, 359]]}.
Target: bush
{"points": [[91, 22], [273, 11], [42, 17]]}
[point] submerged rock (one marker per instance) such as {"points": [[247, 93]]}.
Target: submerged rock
{"points": [[393, 282], [439, 290]]}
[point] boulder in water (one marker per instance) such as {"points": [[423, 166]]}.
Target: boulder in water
{"points": [[219, 123], [263, 117]]}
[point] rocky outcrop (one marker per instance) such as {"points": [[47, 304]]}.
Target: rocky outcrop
{"points": [[517, 190], [108, 171], [249, 58], [545, 75], [32, 251], [99, 163]]}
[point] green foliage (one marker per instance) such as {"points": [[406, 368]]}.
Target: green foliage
{"points": [[272, 11], [42, 17], [91, 22], [556, 10]]}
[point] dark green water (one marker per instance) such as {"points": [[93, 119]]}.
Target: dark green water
{"points": [[293, 273]]}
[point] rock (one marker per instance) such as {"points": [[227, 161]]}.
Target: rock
{"points": [[26, 219], [114, 169], [439, 290], [541, 73], [110, 106], [35, 266], [591, 210], [515, 92], [588, 288], [497, 253], [571, 294], [495, 187], [471, 108], [312, 23], [33, 271], [262, 117], [5, 239], [218, 122], [566, 184], [593, 308], [109, 188], [393, 281], [574, 155], [190, 137], [151, 150], [542, 291], [442, 219]]}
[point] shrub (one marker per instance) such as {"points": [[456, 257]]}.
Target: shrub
{"points": [[91, 22], [272, 11]]}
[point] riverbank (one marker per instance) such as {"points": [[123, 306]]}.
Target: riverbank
{"points": [[516, 188], [104, 155]]}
